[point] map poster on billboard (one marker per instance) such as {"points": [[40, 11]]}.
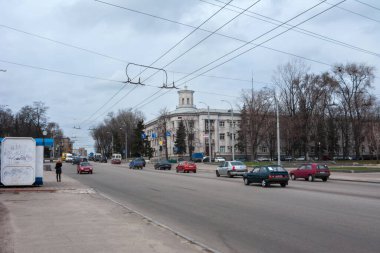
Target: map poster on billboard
{"points": [[18, 161]]}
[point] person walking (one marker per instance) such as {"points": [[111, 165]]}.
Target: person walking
{"points": [[58, 170]]}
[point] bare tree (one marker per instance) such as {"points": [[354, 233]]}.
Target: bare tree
{"points": [[258, 106], [189, 123], [354, 81]]}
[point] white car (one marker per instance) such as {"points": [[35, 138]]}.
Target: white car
{"points": [[219, 159], [231, 168]]}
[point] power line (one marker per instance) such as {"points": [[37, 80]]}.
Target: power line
{"points": [[298, 29], [220, 27], [253, 47], [355, 13], [170, 49], [209, 35], [371, 6], [60, 71], [271, 30], [119, 81]]}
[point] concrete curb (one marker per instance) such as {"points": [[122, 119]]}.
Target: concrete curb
{"points": [[189, 239], [353, 180]]}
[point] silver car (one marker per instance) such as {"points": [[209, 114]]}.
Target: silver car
{"points": [[231, 168]]}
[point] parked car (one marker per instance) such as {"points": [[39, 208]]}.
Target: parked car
{"points": [[301, 158], [197, 157], [206, 159], [97, 157], [69, 158], [142, 160], [116, 159], [311, 171], [263, 159], [163, 164], [78, 159], [267, 175], [287, 158], [136, 164], [219, 159], [84, 167], [186, 166], [231, 168], [103, 159]]}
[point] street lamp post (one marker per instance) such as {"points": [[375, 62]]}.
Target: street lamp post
{"points": [[233, 129], [209, 130], [44, 133]]}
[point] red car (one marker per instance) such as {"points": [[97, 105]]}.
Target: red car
{"points": [[84, 167], [186, 166], [311, 171]]}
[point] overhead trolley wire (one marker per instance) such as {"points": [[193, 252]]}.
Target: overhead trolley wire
{"points": [[355, 13], [202, 40], [298, 29], [367, 4], [163, 55], [250, 48]]}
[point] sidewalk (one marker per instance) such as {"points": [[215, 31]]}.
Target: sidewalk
{"points": [[69, 217]]}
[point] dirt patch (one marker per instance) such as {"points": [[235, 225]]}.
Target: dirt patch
{"points": [[5, 231]]}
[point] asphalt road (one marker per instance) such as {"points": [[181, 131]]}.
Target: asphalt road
{"points": [[228, 216]]}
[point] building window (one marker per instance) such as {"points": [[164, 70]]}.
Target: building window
{"points": [[221, 123], [188, 101], [264, 149], [183, 101], [222, 149], [221, 136], [191, 124]]}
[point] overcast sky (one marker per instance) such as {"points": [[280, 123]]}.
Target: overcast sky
{"points": [[72, 54]]}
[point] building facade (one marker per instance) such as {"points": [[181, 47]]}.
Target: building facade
{"points": [[224, 125]]}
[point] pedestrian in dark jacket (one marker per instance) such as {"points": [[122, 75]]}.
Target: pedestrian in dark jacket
{"points": [[58, 170]]}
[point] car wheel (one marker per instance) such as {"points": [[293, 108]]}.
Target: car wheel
{"points": [[264, 183], [229, 174], [195, 171], [293, 177], [310, 178], [324, 179], [90, 172], [283, 184], [246, 182], [217, 174]]}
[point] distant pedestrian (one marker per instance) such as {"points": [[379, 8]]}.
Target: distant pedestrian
{"points": [[58, 170]]}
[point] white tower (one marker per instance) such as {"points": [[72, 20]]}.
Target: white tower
{"points": [[185, 98]]}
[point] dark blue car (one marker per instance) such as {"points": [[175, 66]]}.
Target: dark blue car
{"points": [[137, 164], [267, 175]]}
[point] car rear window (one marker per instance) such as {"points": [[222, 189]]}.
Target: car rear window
{"points": [[322, 167], [85, 164], [276, 169], [237, 163]]}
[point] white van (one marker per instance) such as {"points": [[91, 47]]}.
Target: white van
{"points": [[116, 159]]}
